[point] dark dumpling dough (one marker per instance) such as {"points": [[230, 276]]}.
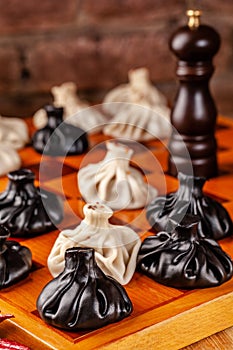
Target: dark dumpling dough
{"points": [[82, 296], [215, 221], [27, 210], [15, 260], [182, 259], [59, 138]]}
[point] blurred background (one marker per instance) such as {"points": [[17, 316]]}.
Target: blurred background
{"points": [[95, 43]]}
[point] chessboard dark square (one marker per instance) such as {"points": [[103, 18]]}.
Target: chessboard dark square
{"points": [[50, 169]]}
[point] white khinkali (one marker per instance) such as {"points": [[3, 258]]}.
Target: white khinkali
{"points": [[116, 247], [139, 109], [13, 132], [114, 182], [76, 112], [9, 159]]}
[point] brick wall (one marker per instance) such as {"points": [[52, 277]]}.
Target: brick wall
{"points": [[95, 43]]}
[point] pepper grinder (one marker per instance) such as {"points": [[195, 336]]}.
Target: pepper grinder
{"points": [[194, 112]]}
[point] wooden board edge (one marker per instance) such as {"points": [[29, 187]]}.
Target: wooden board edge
{"points": [[183, 323], [183, 329], [29, 331], [159, 316]]}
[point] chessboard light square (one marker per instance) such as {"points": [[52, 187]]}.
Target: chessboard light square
{"points": [[29, 156], [152, 293], [25, 293], [225, 161], [220, 187], [225, 139], [66, 186], [50, 168]]}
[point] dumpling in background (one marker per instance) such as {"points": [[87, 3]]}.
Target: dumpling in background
{"points": [[116, 247], [114, 182], [13, 132], [58, 138], [76, 112], [9, 159], [139, 109], [139, 90]]}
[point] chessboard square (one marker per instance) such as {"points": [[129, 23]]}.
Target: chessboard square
{"points": [[157, 145], [36, 266], [147, 294], [136, 146], [149, 160], [229, 208], [220, 187], [224, 123], [225, 139], [73, 214], [161, 156], [164, 183], [56, 190], [3, 183], [142, 170], [220, 126], [73, 161], [71, 336], [41, 246], [95, 155], [66, 186], [114, 220], [29, 156], [98, 139], [25, 293], [135, 219], [226, 243], [225, 161], [50, 168]]}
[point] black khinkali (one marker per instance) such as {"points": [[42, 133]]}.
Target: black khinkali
{"points": [[182, 259], [82, 296], [27, 210], [15, 260], [215, 221], [58, 138]]}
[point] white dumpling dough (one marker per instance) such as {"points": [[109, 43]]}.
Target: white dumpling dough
{"points": [[114, 182], [76, 112], [116, 247], [139, 90], [14, 132], [139, 109], [9, 159]]}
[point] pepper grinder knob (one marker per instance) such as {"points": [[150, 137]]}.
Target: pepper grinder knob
{"points": [[193, 18]]}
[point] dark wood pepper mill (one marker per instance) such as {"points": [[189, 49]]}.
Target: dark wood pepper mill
{"points": [[194, 113]]}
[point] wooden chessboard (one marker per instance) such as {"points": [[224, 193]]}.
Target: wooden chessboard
{"points": [[163, 317]]}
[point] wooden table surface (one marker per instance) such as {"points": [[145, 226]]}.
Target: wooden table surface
{"points": [[163, 318], [219, 341]]}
